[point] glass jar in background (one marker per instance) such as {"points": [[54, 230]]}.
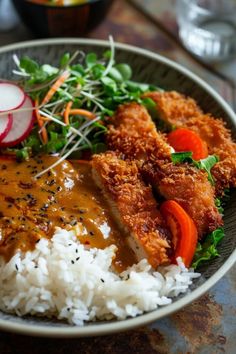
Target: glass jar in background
{"points": [[208, 27]]}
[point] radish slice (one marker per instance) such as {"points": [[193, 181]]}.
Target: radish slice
{"points": [[5, 125], [23, 121], [11, 96]]}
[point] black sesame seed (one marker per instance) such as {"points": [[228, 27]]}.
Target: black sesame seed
{"points": [[77, 258], [91, 233], [73, 262], [102, 280], [16, 266]]}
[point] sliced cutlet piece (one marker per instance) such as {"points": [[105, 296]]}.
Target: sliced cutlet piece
{"points": [[174, 108], [182, 111], [220, 143], [133, 207], [128, 136], [189, 187], [133, 133]]}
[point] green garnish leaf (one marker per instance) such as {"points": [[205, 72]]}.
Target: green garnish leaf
{"points": [[23, 154], [115, 75], [50, 70], [136, 86], [124, 70], [98, 71], [29, 65], [182, 157], [78, 68], [107, 54], [110, 85], [218, 204], [90, 60], [206, 164], [208, 249], [64, 60]]}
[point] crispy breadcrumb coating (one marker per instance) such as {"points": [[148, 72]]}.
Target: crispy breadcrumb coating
{"points": [[174, 107], [181, 111], [135, 136], [187, 186], [133, 133], [218, 138], [133, 207]]}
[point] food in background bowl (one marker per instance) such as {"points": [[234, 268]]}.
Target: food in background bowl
{"points": [[61, 18], [86, 220]]}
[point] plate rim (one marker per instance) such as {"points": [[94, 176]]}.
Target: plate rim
{"points": [[97, 328]]}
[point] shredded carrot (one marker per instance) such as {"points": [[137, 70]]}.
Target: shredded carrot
{"points": [[82, 112], [55, 87], [40, 120], [67, 113]]}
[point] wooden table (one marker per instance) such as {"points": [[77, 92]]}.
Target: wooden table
{"points": [[209, 324]]}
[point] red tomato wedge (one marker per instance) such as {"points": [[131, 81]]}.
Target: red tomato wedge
{"points": [[183, 229], [183, 139]]}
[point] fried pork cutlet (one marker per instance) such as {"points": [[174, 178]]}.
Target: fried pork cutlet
{"points": [[133, 206], [174, 108], [129, 136], [133, 133], [187, 186], [182, 111]]}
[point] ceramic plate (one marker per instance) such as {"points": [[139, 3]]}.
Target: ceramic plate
{"points": [[153, 69]]}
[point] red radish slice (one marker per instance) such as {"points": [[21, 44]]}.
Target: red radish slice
{"points": [[23, 121], [11, 96], [6, 121]]}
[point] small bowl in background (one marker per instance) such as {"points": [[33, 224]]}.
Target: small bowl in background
{"points": [[62, 21]]}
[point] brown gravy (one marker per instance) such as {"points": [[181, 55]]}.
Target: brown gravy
{"points": [[31, 208]]}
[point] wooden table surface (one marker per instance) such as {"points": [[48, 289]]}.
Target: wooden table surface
{"points": [[209, 324]]}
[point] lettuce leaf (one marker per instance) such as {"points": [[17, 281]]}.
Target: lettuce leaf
{"points": [[208, 249], [204, 164]]}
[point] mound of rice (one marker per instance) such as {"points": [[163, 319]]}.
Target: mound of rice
{"points": [[63, 279]]}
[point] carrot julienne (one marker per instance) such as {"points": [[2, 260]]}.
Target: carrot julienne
{"points": [[82, 112], [40, 120], [55, 87], [67, 112]]}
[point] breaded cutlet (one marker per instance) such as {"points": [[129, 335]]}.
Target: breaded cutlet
{"points": [[137, 140], [182, 111], [133, 207]]}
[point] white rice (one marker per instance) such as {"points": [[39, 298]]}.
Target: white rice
{"points": [[63, 279]]}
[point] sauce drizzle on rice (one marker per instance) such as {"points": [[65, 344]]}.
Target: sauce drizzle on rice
{"points": [[65, 197]]}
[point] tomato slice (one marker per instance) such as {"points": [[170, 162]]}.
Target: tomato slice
{"points": [[183, 139], [183, 229]]}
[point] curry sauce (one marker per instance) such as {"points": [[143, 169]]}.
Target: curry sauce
{"points": [[65, 196]]}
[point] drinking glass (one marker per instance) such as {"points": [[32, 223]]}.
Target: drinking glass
{"points": [[8, 17], [208, 27]]}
